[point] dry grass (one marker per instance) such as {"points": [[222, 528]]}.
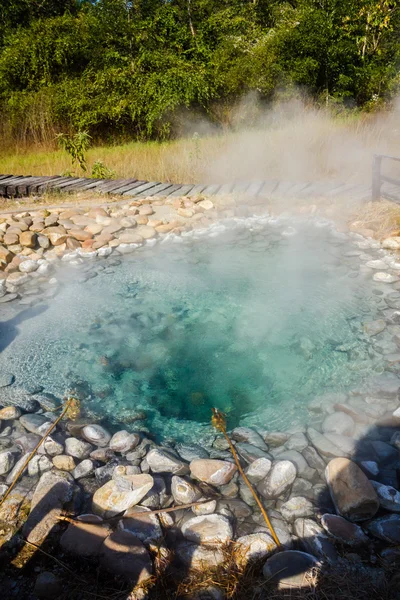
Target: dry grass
{"points": [[289, 143], [383, 218]]}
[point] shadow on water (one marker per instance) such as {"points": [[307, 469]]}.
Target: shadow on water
{"points": [[9, 329], [345, 571]]}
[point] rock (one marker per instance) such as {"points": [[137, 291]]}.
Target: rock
{"points": [[302, 467], [275, 438], [208, 529], [18, 465], [343, 531], [54, 489], [52, 447], [253, 547], [313, 459], [14, 396], [279, 479], [28, 266], [370, 467], [388, 497], [207, 508], [190, 452], [43, 241], [130, 236], [123, 441], [117, 495], [5, 255], [386, 528], [7, 461], [385, 385], [314, 540], [183, 491], [258, 469], [250, 436], [394, 440], [302, 487], [214, 472], [162, 461], [102, 455], [47, 585], [250, 453], [296, 507], [64, 462], [9, 413], [199, 557], [374, 327], [77, 448], [339, 422], [28, 441], [56, 235], [35, 423], [383, 277], [391, 243], [6, 379], [297, 441], [290, 569], [145, 525], [83, 469], [206, 204], [124, 555], [323, 444], [234, 507], [38, 465], [351, 492], [84, 539], [96, 434], [157, 496]]}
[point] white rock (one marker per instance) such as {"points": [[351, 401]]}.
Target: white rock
{"points": [[77, 448], [208, 529], [253, 547], [83, 469], [117, 495], [258, 469], [7, 461], [279, 479], [28, 266], [297, 507], [385, 277], [96, 434]]}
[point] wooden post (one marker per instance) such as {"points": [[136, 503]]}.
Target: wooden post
{"points": [[376, 177]]}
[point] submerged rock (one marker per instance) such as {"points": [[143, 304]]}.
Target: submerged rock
{"points": [[339, 422], [352, 493], [296, 507], [14, 396]]}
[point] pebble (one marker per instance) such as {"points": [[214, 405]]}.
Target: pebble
{"points": [[162, 461], [184, 491], [96, 434], [124, 442], [214, 472], [296, 507], [35, 423], [77, 448], [63, 462], [279, 479], [83, 469], [7, 461], [258, 469]]}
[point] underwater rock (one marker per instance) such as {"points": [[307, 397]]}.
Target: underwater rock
{"points": [[372, 328], [297, 441], [324, 445], [35, 423], [19, 397], [258, 469], [339, 422], [6, 379], [39, 465], [352, 493], [190, 452], [250, 436], [296, 507]]}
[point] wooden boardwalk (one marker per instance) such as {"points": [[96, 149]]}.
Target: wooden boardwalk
{"points": [[12, 186]]}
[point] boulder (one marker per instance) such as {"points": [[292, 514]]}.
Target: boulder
{"points": [[84, 539], [386, 528], [352, 493], [279, 479], [208, 529], [388, 496], [190, 452], [142, 523], [290, 569], [55, 488], [314, 539], [343, 531], [117, 495], [214, 472], [124, 555]]}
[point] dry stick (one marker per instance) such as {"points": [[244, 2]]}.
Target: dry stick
{"points": [[218, 421], [32, 454]]}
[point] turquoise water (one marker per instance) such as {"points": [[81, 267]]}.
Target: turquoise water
{"points": [[255, 319]]}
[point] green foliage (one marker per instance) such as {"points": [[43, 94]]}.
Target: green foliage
{"points": [[76, 146], [117, 67], [100, 171]]}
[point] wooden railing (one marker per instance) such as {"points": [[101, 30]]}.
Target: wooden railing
{"points": [[378, 179]]}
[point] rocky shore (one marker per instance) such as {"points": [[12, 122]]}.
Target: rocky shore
{"points": [[331, 490]]}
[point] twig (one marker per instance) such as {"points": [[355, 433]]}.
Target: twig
{"points": [[32, 454], [218, 420]]}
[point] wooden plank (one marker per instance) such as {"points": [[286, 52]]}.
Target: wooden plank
{"points": [[240, 187], [23, 187], [141, 188], [211, 190], [9, 182], [127, 187], [226, 188], [34, 187], [195, 191], [111, 184], [170, 191], [254, 188], [182, 190], [13, 186], [158, 190], [51, 184], [5, 177], [268, 187], [82, 186], [63, 186]]}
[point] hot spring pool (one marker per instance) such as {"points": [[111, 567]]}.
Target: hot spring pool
{"points": [[255, 318]]}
